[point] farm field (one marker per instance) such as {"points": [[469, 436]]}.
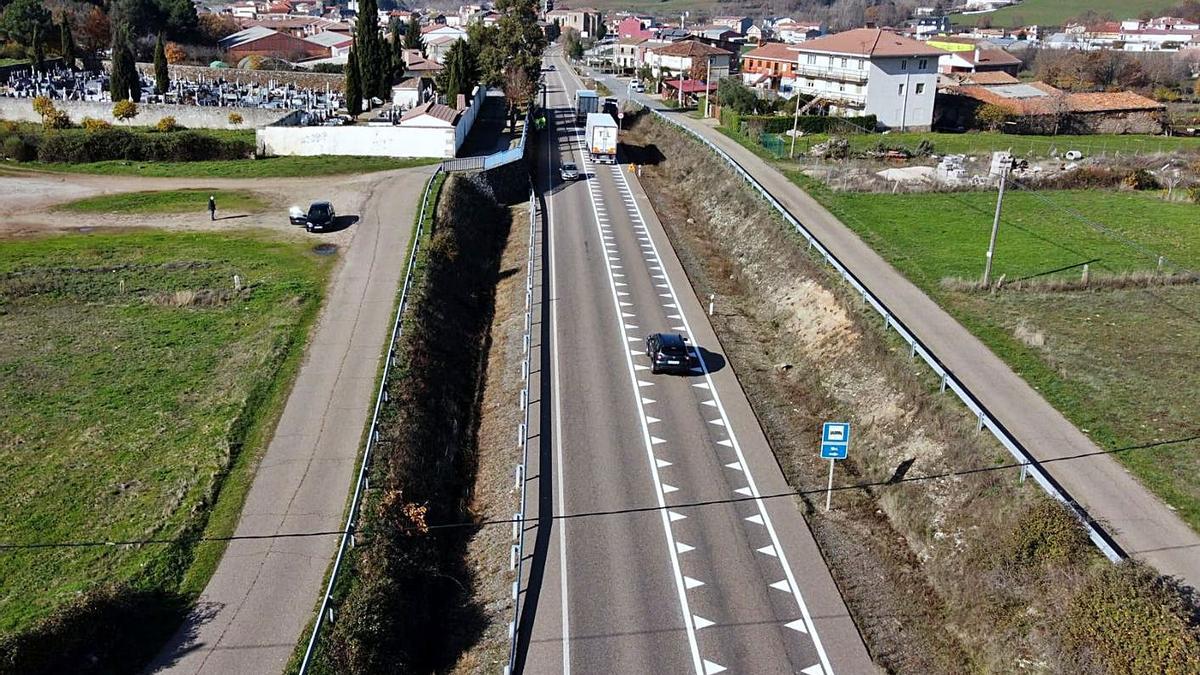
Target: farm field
{"points": [[169, 201], [135, 382], [974, 143], [1114, 361], [1057, 12]]}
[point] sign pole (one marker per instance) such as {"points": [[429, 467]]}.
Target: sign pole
{"points": [[829, 490]]}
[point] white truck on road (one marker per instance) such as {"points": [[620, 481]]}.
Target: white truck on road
{"points": [[601, 138]]}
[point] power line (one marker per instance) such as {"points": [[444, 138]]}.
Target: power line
{"points": [[895, 480]]}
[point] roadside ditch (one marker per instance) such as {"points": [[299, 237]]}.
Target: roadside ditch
{"points": [[428, 592], [948, 562]]}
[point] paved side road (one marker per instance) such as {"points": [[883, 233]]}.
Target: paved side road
{"points": [[1142, 524], [264, 591]]}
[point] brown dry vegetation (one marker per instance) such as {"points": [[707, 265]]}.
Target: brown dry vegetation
{"points": [[973, 572], [493, 497]]}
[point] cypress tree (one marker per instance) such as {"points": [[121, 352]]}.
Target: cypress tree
{"points": [[412, 36], [373, 59], [124, 82], [354, 93], [162, 80], [397, 47], [39, 51], [66, 41]]}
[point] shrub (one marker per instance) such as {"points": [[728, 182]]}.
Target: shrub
{"points": [[1128, 619], [167, 124], [1140, 179], [235, 119], [1048, 534], [991, 116], [52, 117], [125, 110], [93, 124], [809, 124], [20, 148], [111, 144]]}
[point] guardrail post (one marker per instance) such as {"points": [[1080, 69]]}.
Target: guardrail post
{"points": [[943, 383], [979, 423]]}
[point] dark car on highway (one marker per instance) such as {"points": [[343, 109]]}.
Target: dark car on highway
{"points": [[320, 217], [669, 353]]}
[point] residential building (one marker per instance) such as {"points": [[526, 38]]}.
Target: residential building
{"points": [[930, 26], [585, 21], [438, 40], [770, 66], [627, 54], [634, 27], [965, 57], [738, 24], [869, 71], [263, 41], [758, 34], [793, 32], [1040, 108], [679, 57], [715, 33], [338, 44]]}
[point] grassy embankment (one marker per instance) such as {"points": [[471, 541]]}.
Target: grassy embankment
{"points": [[269, 167], [1046, 13], [1115, 362], [983, 142], [138, 388], [172, 201]]}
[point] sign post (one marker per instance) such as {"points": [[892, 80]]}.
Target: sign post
{"points": [[835, 445]]}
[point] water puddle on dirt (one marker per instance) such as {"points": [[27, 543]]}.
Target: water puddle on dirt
{"points": [[85, 230], [325, 249]]}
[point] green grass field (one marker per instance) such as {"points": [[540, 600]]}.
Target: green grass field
{"points": [[1117, 363], [1058, 12], [169, 201], [975, 143], [129, 370], [271, 167]]}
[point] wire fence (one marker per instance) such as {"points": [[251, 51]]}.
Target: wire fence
{"points": [[521, 475], [327, 611], [1029, 465]]}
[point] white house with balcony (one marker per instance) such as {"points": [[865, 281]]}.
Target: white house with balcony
{"points": [[869, 71]]}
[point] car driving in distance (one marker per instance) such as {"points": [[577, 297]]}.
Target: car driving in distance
{"points": [[568, 171], [669, 353], [320, 217], [637, 86]]}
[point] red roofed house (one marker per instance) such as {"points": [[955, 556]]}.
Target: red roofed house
{"points": [[770, 65], [678, 57], [979, 60], [1040, 108], [869, 71], [633, 27]]}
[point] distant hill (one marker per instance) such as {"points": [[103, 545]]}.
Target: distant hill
{"points": [[1058, 12]]}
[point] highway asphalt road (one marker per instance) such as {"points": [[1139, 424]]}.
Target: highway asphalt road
{"points": [[1141, 523], [668, 560], [264, 591]]}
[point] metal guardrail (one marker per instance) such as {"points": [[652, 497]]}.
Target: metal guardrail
{"points": [[518, 549], [494, 160], [1102, 539], [326, 613]]}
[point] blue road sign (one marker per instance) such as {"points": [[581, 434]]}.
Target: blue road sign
{"points": [[835, 440]]}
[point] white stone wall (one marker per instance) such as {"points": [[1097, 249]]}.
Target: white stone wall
{"points": [[383, 141], [190, 116]]}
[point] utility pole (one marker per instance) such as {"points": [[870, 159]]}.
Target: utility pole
{"points": [[795, 120], [987, 267], [707, 89]]}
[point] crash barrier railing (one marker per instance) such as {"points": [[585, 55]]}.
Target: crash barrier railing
{"points": [[1102, 539], [327, 611], [463, 164], [518, 548]]}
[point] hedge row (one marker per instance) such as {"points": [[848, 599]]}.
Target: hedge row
{"points": [[754, 125], [122, 144]]}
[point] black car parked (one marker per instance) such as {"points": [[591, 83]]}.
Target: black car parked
{"points": [[320, 217], [669, 353]]}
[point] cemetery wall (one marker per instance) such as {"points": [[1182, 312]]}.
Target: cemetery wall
{"points": [[190, 116], [385, 141]]}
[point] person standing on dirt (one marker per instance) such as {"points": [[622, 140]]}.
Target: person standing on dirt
{"points": [[212, 207]]}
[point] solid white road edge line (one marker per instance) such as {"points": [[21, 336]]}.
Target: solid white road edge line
{"points": [[697, 662], [562, 505], [762, 510]]}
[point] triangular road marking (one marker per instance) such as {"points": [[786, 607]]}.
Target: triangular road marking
{"points": [[652, 420], [727, 443], [680, 328], [629, 325], [681, 547], [798, 625], [782, 585], [674, 316], [711, 668], [815, 669], [647, 401], [636, 352], [702, 622], [627, 314], [675, 516], [711, 403], [638, 366], [768, 550], [662, 463], [718, 422], [756, 519], [669, 304], [655, 440], [622, 294], [701, 385], [690, 583], [668, 489], [664, 295], [745, 491], [634, 339], [643, 383], [627, 304], [736, 466]]}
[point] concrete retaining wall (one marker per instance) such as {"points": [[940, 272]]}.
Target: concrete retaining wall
{"points": [[193, 117], [384, 141]]}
